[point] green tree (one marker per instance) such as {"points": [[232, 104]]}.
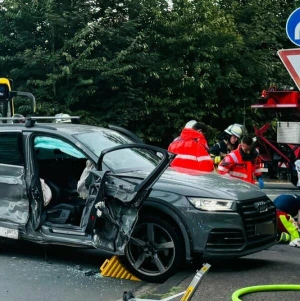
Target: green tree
{"points": [[148, 65], [37, 38]]}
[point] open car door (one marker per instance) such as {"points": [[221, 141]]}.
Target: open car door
{"points": [[115, 199]]}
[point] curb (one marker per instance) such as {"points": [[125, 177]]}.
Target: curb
{"points": [[142, 290], [158, 291], [170, 287]]}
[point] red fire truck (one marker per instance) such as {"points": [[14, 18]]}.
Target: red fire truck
{"points": [[279, 155]]}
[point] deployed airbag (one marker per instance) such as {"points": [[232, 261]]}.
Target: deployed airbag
{"points": [[52, 144]]}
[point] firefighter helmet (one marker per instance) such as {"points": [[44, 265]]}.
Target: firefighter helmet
{"points": [[63, 118], [190, 124], [18, 118], [235, 130]]}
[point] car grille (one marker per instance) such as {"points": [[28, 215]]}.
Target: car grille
{"points": [[253, 212], [225, 239]]}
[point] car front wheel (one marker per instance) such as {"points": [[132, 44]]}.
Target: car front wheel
{"points": [[154, 251]]}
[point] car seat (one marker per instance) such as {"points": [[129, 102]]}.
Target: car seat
{"points": [[62, 209]]}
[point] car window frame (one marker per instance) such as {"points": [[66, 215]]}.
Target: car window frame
{"points": [[113, 170]]}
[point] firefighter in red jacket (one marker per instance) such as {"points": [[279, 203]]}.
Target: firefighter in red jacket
{"points": [[243, 163], [192, 149]]}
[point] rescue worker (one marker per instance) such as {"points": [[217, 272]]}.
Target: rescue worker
{"points": [[243, 163], [287, 229], [228, 142], [287, 208], [288, 203], [192, 149]]}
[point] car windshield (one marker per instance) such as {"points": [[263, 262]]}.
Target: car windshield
{"points": [[124, 160]]}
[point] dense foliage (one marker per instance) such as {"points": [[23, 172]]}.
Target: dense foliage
{"points": [[147, 65]]}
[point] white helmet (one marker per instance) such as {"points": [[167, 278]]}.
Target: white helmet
{"points": [[20, 120], [235, 130], [63, 118], [190, 124]]}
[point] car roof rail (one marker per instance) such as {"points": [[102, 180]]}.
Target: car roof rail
{"points": [[30, 120]]}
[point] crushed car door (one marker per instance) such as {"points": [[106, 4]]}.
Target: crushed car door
{"points": [[14, 208], [114, 199]]}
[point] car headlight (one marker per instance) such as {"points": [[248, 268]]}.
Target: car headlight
{"points": [[212, 204]]}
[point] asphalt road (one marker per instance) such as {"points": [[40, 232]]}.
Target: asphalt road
{"points": [[277, 265], [30, 272], [33, 272]]}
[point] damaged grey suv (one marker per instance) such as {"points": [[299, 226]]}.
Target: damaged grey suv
{"points": [[132, 203]]}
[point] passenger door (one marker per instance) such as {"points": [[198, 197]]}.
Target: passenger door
{"points": [[14, 203], [116, 199], [51, 159]]}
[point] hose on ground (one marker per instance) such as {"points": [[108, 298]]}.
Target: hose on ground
{"points": [[264, 288]]}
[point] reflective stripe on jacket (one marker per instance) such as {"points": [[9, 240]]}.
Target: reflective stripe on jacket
{"points": [[234, 165], [192, 151]]}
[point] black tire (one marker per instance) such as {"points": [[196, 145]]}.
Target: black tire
{"points": [[154, 251]]}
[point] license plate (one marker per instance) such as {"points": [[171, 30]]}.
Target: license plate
{"points": [[9, 233], [264, 169], [264, 229]]}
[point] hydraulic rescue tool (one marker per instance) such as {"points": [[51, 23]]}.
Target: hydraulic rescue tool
{"points": [[186, 295]]}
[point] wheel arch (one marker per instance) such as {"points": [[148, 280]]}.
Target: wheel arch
{"points": [[158, 208]]}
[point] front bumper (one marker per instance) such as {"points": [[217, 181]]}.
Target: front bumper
{"points": [[234, 234]]}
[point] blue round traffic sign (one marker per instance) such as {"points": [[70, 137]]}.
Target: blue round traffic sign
{"points": [[293, 27]]}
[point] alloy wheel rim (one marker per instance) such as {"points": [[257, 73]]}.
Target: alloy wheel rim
{"points": [[151, 250]]}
